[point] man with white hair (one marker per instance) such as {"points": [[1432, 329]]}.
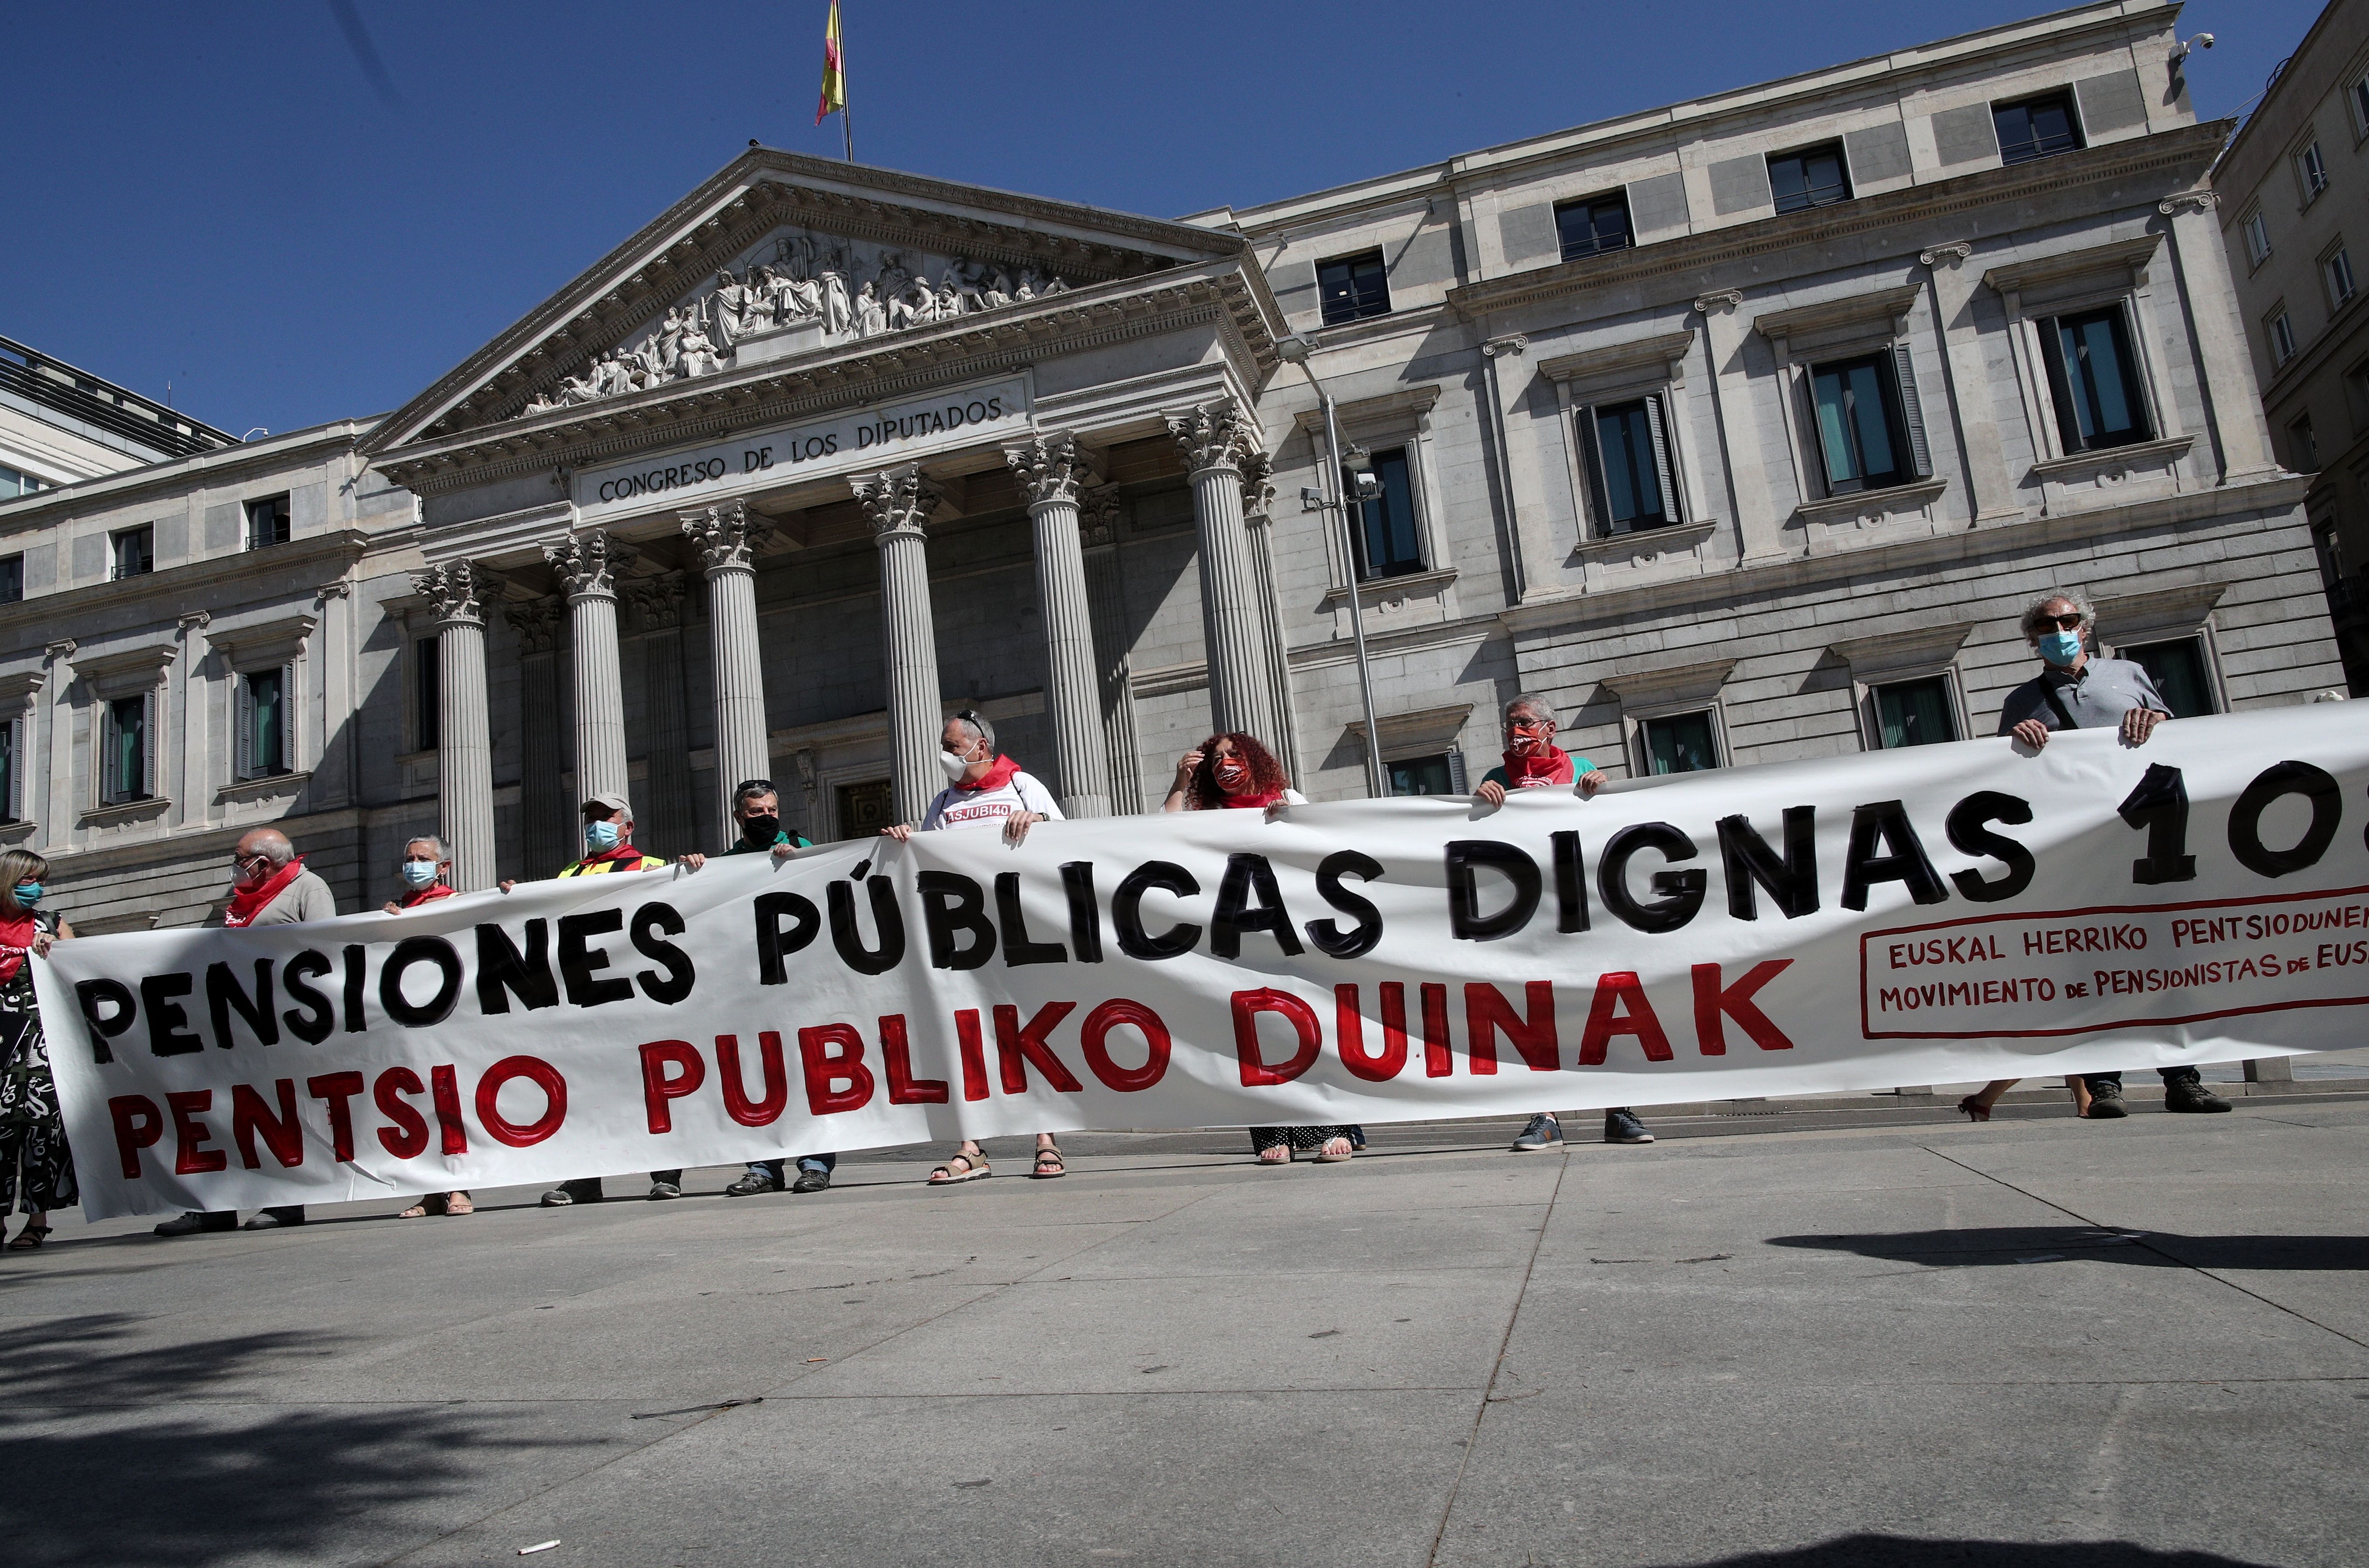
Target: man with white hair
{"points": [[2078, 690], [425, 865], [270, 886]]}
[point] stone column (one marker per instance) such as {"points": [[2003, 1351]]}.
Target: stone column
{"points": [[673, 826], [728, 538], [1053, 471], [1991, 494], [2230, 399], [1098, 509], [1216, 439], [1258, 518], [464, 745], [547, 817], [1759, 532], [896, 504], [586, 564]]}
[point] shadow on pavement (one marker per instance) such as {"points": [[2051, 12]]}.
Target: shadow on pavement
{"points": [[2052, 1244], [1903, 1552], [121, 1456]]}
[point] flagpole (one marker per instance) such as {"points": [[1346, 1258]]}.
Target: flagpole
{"points": [[847, 125]]}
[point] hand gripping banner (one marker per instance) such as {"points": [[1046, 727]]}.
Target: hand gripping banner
{"points": [[1937, 915]]}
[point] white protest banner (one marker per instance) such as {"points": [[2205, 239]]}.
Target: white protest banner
{"points": [[1935, 914]]}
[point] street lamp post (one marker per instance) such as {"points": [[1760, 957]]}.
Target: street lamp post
{"points": [[1329, 498]]}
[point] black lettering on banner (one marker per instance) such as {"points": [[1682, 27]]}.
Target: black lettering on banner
{"points": [[319, 1018], [775, 941], [1571, 883], [648, 921], [1127, 911], [848, 937], [2160, 805], [1017, 946], [1886, 823], [503, 971], [1679, 894], [1086, 915], [1361, 938], [1465, 921], [1968, 835], [952, 906], [226, 996], [357, 958], [1236, 916], [90, 995], [1792, 882], [414, 950], [168, 1033], [2317, 786], [578, 963]]}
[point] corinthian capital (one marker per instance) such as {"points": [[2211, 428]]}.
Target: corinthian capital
{"points": [[588, 563], [896, 501], [1098, 514], [659, 599], [536, 622], [726, 536], [1052, 467], [1214, 435], [457, 591], [1258, 485]]}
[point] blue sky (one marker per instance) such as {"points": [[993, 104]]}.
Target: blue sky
{"points": [[221, 200]]}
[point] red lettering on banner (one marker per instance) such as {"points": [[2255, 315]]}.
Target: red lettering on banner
{"points": [[1248, 1005], [392, 1084], [138, 1124], [897, 1055], [282, 1133], [1436, 1060], [1349, 1031], [659, 1087], [489, 1095], [1094, 1038], [338, 1088], [824, 1069], [974, 1053], [737, 1104], [1016, 1046], [1620, 1007], [190, 1155], [1714, 1004], [446, 1093], [1486, 1010]]}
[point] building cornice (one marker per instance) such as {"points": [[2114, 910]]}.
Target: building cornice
{"points": [[157, 595], [2180, 155], [180, 476]]}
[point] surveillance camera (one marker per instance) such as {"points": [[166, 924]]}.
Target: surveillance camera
{"points": [[2202, 40]]}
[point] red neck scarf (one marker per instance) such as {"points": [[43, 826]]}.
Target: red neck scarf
{"points": [[16, 940], [996, 778], [246, 903], [1246, 802], [1524, 772], [623, 851], [426, 895]]}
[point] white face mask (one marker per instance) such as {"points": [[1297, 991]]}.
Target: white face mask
{"points": [[955, 766]]}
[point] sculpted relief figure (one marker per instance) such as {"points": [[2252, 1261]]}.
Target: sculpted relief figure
{"points": [[872, 316], [728, 305], [699, 355]]}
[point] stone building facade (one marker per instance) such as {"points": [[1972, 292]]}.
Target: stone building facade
{"points": [[2294, 194], [1741, 429]]}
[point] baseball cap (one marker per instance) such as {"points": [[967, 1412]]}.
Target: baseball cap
{"points": [[604, 805]]}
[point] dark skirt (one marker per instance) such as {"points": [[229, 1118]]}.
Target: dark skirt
{"points": [[1266, 1138]]}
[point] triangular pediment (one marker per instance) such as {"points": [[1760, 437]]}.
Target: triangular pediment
{"points": [[780, 258]]}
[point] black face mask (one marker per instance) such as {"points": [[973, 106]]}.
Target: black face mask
{"points": [[760, 830]]}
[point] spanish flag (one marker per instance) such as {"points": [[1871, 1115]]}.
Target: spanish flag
{"points": [[834, 71]]}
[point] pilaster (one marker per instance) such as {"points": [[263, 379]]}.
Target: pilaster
{"points": [[547, 826], [2239, 428], [1991, 496], [673, 828], [1759, 532]]}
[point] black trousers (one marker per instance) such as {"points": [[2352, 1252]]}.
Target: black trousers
{"points": [[2170, 1075], [587, 1189]]}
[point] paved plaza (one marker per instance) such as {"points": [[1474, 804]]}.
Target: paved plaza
{"points": [[1817, 1334]]}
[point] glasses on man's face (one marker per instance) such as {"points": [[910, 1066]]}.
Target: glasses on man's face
{"points": [[1532, 726], [2066, 623]]}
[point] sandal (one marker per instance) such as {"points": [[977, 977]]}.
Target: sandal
{"points": [[1282, 1149], [31, 1236], [1060, 1167], [1325, 1156], [974, 1168], [417, 1211], [458, 1202]]}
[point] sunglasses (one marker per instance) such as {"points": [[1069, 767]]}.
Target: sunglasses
{"points": [[2061, 623]]}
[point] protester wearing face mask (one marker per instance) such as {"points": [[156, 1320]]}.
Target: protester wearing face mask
{"points": [[2078, 690], [35, 1163], [757, 829], [424, 867], [984, 790], [268, 887], [609, 847]]}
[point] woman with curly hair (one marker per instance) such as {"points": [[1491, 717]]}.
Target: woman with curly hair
{"points": [[1233, 770], [35, 1165]]}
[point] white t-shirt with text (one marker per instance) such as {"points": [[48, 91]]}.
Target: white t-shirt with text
{"points": [[989, 808]]}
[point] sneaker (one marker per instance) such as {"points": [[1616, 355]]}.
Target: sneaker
{"points": [[664, 1189], [752, 1184], [811, 1182], [190, 1224], [1622, 1126], [1543, 1132], [558, 1197], [2185, 1090], [2106, 1101], [267, 1220]]}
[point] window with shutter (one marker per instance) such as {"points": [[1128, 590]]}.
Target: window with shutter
{"points": [[12, 740], [146, 789], [243, 729], [1627, 450], [1912, 412], [1864, 437], [284, 759]]}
